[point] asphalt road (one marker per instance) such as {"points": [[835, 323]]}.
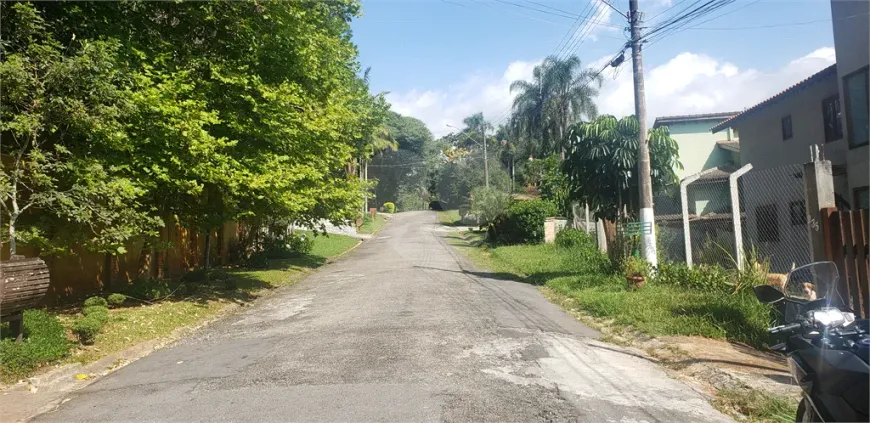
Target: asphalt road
{"points": [[401, 330]]}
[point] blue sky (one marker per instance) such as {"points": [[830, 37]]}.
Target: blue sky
{"points": [[440, 59]]}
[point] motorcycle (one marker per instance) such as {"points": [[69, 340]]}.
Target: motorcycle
{"points": [[827, 348]]}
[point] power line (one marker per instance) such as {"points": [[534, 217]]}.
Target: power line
{"points": [[611, 6], [560, 14], [677, 23], [570, 31]]}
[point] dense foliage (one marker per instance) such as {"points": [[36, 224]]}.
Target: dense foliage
{"points": [[601, 165], [488, 203], [560, 93], [120, 117], [521, 223]]}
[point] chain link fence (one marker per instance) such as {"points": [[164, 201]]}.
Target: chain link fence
{"points": [[669, 226], [773, 203], [772, 220]]}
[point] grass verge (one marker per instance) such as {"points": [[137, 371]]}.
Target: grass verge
{"points": [[449, 217], [756, 405], [585, 277], [138, 322], [372, 225]]}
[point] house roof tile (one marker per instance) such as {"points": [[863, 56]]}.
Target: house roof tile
{"points": [[794, 89], [663, 120]]}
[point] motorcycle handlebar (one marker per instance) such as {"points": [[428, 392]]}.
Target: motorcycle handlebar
{"points": [[785, 328]]}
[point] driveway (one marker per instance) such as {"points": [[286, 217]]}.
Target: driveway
{"points": [[400, 330]]}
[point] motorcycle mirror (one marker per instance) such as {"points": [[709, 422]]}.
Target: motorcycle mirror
{"points": [[768, 294]]}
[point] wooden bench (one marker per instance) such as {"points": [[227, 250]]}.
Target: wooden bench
{"points": [[23, 284]]}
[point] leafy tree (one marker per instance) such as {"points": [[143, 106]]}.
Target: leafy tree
{"points": [[602, 163], [410, 133], [560, 93], [488, 203], [61, 130]]}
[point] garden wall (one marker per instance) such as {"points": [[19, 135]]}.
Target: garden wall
{"points": [[83, 272]]}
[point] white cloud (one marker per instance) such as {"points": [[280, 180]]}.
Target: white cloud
{"points": [[487, 93], [688, 83], [695, 83]]}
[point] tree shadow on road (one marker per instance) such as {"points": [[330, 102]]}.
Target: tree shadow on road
{"points": [[537, 279]]}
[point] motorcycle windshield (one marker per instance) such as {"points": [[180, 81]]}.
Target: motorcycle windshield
{"points": [[814, 281]]}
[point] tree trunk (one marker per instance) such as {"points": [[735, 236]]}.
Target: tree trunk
{"points": [[12, 247], [207, 249]]}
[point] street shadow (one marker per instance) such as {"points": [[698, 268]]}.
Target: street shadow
{"points": [[536, 279]]}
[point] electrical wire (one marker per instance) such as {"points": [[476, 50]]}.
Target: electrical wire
{"points": [[680, 21], [560, 14]]}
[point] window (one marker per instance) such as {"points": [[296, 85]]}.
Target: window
{"points": [[857, 110], [862, 198], [832, 118], [797, 211], [786, 128], [766, 223]]}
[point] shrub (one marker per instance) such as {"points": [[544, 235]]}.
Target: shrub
{"points": [[522, 223], [290, 246], [96, 301], [116, 300], [300, 243], [389, 207], [150, 289], [635, 266], [698, 277], [94, 309], [44, 341], [575, 238], [489, 203], [87, 328]]}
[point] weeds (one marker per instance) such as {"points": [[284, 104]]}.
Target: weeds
{"points": [[757, 405]]}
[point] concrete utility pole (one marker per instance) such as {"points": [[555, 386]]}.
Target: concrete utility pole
{"points": [[647, 218], [485, 157]]}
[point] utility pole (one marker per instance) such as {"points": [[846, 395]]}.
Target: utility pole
{"points": [[485, 156], [647, 217]]}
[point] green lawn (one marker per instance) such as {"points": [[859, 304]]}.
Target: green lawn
{"points": [[373, 225], [137, 322], [449, 217], [585, 280]]}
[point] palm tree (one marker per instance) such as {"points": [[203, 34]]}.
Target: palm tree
{"points": [[560, 93]]}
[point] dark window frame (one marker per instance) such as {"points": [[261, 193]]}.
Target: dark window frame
{"points": [[782, 127], [838, 130], [797, 211], [856, 194], [845, 105], [767, 223]]}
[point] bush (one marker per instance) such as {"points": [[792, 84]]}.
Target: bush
{"points": [[635, 266], [96, 301], [116, 300], [150, 289], [575, 238], [87, 328], [300, 243], [44, 341], [488, 203], [94, 309], [389, 207], [288, 247], [522, 223], [698, 277]]}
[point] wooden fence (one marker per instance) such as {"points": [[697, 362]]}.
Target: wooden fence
{"points": [[846, 245]]}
